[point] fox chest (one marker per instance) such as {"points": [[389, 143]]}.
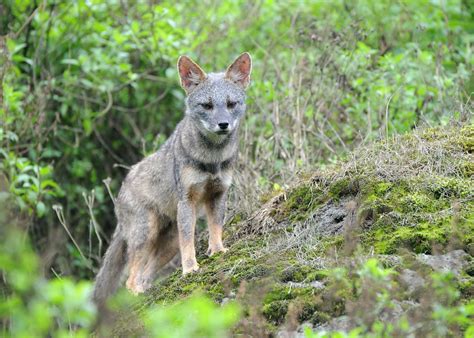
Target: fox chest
{"points": [[200, 186]]}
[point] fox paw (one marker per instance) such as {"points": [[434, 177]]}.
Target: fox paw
{"points": [[212, 251], [137, 289], [190, 268]]}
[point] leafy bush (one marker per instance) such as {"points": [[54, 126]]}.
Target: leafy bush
{"points": [[34, 306], [197, 316], [371, 295]]}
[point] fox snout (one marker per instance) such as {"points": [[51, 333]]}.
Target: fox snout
{"points": [[223, 125], [223, 128]]}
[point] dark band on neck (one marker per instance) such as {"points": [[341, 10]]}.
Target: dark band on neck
{"points": [[212, 167]]}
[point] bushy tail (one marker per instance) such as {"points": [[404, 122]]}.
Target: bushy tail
{"points": [[108, 278]]}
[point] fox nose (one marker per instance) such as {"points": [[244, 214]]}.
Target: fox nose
{"points": [[223, 125]]}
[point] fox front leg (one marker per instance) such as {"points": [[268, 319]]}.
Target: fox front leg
{"points": [[186, 224], [215, 209]]}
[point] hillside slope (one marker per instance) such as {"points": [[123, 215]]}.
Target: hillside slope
{"points": [[366, 242]]}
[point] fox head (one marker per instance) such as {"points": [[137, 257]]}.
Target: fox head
{"points": [[215, 101]]}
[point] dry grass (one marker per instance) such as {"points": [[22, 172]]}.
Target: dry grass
{"points": [[422, 157]]}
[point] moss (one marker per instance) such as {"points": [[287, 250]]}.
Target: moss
{"points": [[343, 187], [467, 168], [418, 232], [275, 303], [419, 238], [296, 273], [278, 292], [317, 275], [413, 213], [466, 139], [443, 187], [277, 300], [319, 318], [307, 310], [405, 196], [248, 272], [275, 311], [418, 202], [466, 287], [291, 270], [470, 269], [299, 202], [375, 201], [229, 268], [328, 245]]}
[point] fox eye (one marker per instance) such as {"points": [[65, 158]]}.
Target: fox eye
{"points": [[231, 104], [207, 106]]}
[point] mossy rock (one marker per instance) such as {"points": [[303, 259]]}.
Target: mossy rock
{"points": [[404, 201]]}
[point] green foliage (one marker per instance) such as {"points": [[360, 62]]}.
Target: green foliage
{"points": [[60, 307], [34, 306], [30, 183], [83, 91], [372, 293], [197, 316]]}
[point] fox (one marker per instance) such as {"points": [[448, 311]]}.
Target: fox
{"points": [[189, 176]]}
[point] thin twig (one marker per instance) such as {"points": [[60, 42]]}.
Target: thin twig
{"points": [[27, 22], [110, 102], [89, 199], [107, 185], [59, 213], [118, 165]]}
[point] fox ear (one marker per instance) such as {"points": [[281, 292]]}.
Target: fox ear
{"points": [[190, 73], [239, 70]]}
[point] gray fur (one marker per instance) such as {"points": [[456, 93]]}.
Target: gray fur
{"points": [[162, 195], [108, 279]]}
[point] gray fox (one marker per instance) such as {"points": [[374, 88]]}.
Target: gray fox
{"points": [[163, 194]]}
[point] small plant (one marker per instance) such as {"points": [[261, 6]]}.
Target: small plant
{"points": [[197, 316], [30, 183], [34, 306]]}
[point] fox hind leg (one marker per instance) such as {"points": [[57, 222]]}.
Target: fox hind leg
{"points": [[135, 259], [142, 238], [166, 248], [152, 251]]}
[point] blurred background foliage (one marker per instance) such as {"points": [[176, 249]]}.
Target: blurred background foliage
{"points": [[90, 87]]}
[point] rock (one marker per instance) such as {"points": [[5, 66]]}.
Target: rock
{"points": [[454, 261], [392, 315], [412, 280], [342, 323], [329, 219]]}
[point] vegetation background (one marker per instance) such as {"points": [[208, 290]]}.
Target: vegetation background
{"points": [[90, 87]]}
